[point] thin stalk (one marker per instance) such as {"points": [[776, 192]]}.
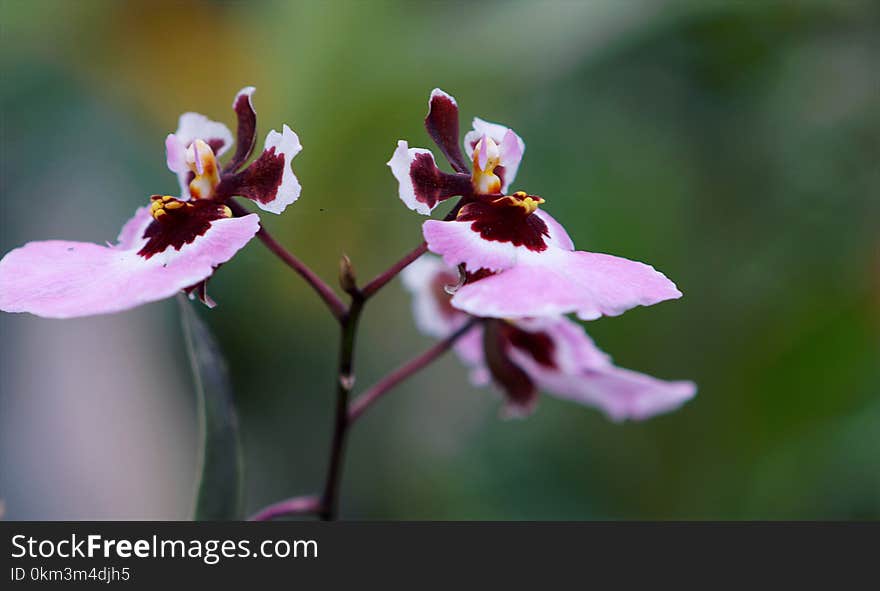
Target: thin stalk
{"points": [[345, 382], [413, 366], [326, 506], [336, 306], [382, 278]]}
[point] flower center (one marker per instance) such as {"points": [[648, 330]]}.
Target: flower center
{"points": [[163, 207], [507, 219], [163, 204], [177, 223], [201, 161], [487, 156], [522, 199]]}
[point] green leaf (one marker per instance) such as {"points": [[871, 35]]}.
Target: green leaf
{"points": [[219, 494]]}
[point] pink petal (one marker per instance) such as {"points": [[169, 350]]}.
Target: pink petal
{"points": [[484, 153], [469, 350], [573, 347], [197, 158], [424, 278], [175, 154], [620, 393], [421, 185], [585, 374], [130, 237], [458, 243], [512, 148], [195, 126], [559, 282], [61, 279], [625, 394], [558, 236], [570, 366]]}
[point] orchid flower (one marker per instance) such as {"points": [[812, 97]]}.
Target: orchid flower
{"points": [[174, 243], [516, 260], [523, 356]]}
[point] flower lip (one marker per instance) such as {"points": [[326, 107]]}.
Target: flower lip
{"points": [[523, 355], [427, 278], [508, 219], [64, 279], [176, 223], [561, 282]]}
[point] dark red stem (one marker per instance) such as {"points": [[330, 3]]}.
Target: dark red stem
{"points": [[383, 386], [322, 289], [344, 384], [381, 279]]}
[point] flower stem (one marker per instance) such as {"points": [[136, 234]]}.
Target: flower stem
{"points": [[308, 505], [323, 290], [326, 505], [345, 382], [381, 279], [393, 379]]}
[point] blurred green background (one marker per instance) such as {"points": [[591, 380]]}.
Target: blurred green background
{"points": [[733, 145]]}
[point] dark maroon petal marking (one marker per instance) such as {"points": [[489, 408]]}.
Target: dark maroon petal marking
{"points": [[518, 387], [538, 345], [246, 135], [502, 220], [181, 225], [432, 185], [442, 126], [259, 181], [474, 276]]}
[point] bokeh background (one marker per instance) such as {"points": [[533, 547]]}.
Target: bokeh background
{"points": [[734, 145]]}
